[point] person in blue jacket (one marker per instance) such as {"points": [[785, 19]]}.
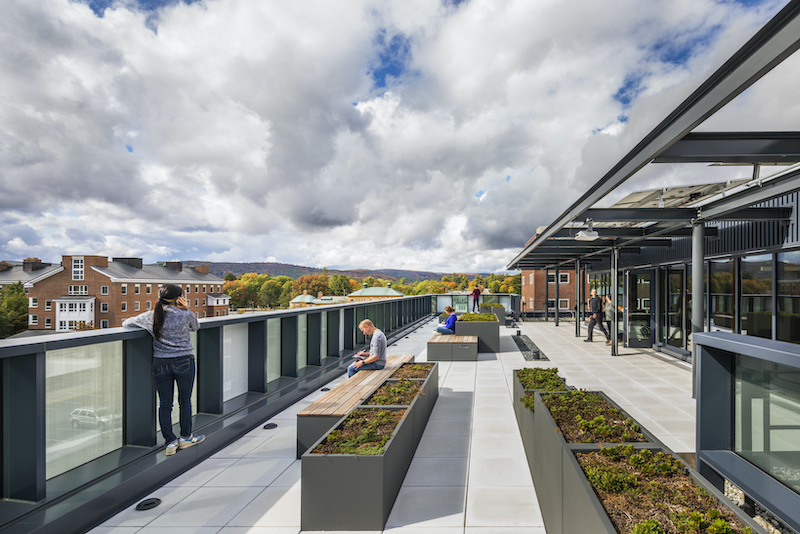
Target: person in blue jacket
{"points": [[448, 327]]}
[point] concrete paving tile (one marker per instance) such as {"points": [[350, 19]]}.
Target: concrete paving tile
{"points": [[240, 447], [442, 446], [261, 530], [252, 472], [179, 530], [170, 497], [448, 397], [203, 473], [684, 425], [437, 472], [499, 472], [273, 507], [208, 507], [124, 530], [423, 530], [428, 507], [494, 412], [503, 507], [493, 390], [488, 446], [492, 400], [505, 530], [290, 477], [463, 411], [284, 445], [448, 427], [492, 427]]}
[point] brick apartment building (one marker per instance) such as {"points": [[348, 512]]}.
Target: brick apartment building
{"points": [[533, 291], [103, 293]]}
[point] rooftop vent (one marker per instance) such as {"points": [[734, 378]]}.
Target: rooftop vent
{"points": [[174, 265], [136, 263], [31, 264]]}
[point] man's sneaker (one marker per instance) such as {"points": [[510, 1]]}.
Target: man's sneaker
{"points": [[172, 448], [193, 439]]}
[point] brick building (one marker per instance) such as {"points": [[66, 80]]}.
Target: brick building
{"points": [[103, 293], [533, 291]]}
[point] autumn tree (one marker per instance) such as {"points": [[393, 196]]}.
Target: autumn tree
{"points": [[229, 276], [313, 283], [339, 284], [13, 310], [270, 294], [286, 294]]}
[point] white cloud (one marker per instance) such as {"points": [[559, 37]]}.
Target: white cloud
{"points": [[244, 130]]}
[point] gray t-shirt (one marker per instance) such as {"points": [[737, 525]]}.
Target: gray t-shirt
{"points": [[377, 347], [174, 342]]}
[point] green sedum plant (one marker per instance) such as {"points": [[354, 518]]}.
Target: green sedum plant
{"points": [[478, 317]]}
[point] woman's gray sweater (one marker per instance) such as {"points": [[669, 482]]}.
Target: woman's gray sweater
{"points": [[174, 342]]}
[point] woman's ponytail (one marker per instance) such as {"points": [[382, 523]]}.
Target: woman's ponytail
{"points": [[167, 294]]}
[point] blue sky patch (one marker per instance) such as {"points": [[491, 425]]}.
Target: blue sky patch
{"points": [[130, 148], [393, 56], [99, 6], [480, 193], [679, 51], [630, 89]]}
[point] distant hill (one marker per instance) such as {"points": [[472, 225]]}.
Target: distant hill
{"points": [[296, 271]]}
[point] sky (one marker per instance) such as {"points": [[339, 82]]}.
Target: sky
{"points": [[408, 134]]}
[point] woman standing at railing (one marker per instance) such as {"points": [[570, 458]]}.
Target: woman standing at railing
{"points": [[173, 361]]}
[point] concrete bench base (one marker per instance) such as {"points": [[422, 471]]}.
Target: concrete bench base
{"points": [[453, 348]]}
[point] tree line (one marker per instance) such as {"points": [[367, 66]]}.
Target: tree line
{"points": [[262, 290], [13, 310]]}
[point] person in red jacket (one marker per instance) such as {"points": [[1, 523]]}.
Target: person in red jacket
{"points": [[476, 293]]}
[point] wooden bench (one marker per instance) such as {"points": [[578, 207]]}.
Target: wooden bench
{"points": [[320, 416], [453, 348]]}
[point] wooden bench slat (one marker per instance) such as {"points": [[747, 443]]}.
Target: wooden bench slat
{"points": [[349, 393], [453, 339]]}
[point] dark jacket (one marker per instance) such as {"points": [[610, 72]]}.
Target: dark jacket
{"points": [[596, 305]]}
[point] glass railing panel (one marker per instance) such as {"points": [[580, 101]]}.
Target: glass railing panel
{"points": [[323, 335], [234, 360], [273, 349], [302, 341], [83, 397]]}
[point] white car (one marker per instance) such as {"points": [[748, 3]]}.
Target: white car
{"points": [[99, 418]]}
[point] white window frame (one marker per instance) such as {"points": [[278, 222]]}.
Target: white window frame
{"points": [[188, 289], [204, 289], [48, 322], [33, 302], [62, 325], [553, 281], [204, 302], [136, 289], [530, 278], [82, 307], [149, 305], [551, 303], [563, 278], [48, 305], [104, 323], [565, 303], [530, 303], [104, 307], [104, 290], [196, 302], [78, 290], [148, 289], [77, 268], [136, 306], [33, 319], [62, 307], [197, 289], [123, 289], [124, 306]]}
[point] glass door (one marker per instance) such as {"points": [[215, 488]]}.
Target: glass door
{"points": [[638, 308], [675, 293]]}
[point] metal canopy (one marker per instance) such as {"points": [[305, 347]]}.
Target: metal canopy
{"points": [[773, 43], [682, 214], [734, 147]]}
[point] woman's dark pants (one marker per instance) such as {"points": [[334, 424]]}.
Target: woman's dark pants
{"points": [[178, 371]]}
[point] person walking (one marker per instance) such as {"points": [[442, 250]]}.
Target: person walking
{"points": [[448, 327], [173, 362], [608, 312], [596, 308], [376, 357], [476, 295]]}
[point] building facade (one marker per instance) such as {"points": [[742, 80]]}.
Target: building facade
{"points": [[535, 291], [93, 292]]}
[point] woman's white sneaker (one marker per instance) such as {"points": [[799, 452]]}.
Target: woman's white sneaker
{"points": [[193, 439]]}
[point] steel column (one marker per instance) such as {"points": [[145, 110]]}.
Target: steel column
{"points": [[546, 293], [578, 298], [614, 301], [698, 257], [556, 307]]}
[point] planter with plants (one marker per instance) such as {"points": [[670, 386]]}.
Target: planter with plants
{"points": [[429, 372], [495, 308], [418, 395], [629, 490], [526, 382], [568, 422], [485, 326], [351, 476]]}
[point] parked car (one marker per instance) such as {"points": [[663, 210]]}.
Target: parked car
{"points": [[99, 418]]}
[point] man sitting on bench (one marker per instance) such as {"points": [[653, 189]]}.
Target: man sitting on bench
{"points": [[376, 357]]}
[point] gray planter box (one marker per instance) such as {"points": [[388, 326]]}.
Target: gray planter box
{"points": [[349, 492], [500, 313], [488, 333]]}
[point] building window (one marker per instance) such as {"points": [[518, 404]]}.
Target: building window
{"points": [[62, 325], [136, 306], [188, 289], [218, 289], [48, 322], [124, 306], [196, 302], [197, 289], [530, 304], [148, 289], [563, 278], [523, 280], [104, 307], [104, 290], [136, 289], [204, 302], [78, 290], [551, 303], [72, 306], [33, 319], [104, 323], [204, 289], [62, 307], [721, 295], [48, 305], [530, 278], [124, 289], [217, 313], [204, 314], [77, 268], [756, 280], [149, 305], [563, 304], [33, 302], [82, 307], [551, 278]]}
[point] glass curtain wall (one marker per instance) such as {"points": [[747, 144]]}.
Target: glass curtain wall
{"points": [[756, 283], [766, 415], [721, 295], [789, 297], [673, 333]]}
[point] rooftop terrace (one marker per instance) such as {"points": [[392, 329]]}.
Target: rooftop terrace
{"points": [[469, 474]]}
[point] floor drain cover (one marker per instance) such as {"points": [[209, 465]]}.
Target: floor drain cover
{"points": [[148, 503], [325, 389], [270, 426]]}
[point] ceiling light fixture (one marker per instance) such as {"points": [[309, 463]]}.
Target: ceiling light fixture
{"points": [[590, 234]]}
